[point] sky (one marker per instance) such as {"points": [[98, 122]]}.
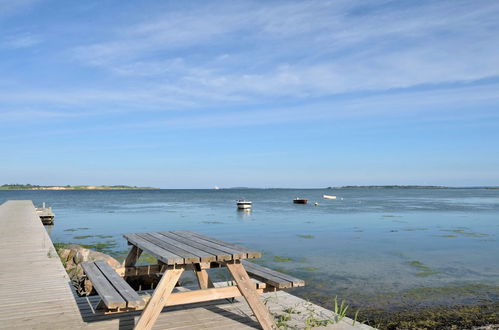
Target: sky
{"points": [[197, 94]]}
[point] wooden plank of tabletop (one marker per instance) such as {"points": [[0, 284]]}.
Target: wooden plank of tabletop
{"points": [[235, 254], [221, 255], [250, 253], [154, 250], [203, 255], [189, 258]]}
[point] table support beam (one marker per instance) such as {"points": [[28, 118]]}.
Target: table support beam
{"points": [[247, 288], [202, 276], [132, 257], [158, 299]]}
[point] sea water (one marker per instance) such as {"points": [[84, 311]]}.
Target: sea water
{"points": [[369, 246]]}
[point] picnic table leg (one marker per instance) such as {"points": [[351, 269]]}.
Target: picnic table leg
{"points": [[202, 276], [158, 299], [132, 257], [247, 288]]}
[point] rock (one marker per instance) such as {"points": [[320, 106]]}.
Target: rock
{"points": [[73, 255]]}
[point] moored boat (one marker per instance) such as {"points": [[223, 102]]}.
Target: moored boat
{"points": [[300, 201], [244, 204], [329, 197]]}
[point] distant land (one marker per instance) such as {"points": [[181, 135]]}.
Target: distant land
{"points": [[68, 187], [410, 187]]}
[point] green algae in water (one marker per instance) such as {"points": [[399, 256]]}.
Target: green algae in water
{"points": [[71, 229], [311, 269], [107, 247], [466, 233], [415, 229], [146, 258], [104, 236], [282, 259], [448, 236], [212, 222], [83, 237], [424, 270], [305, 236]]}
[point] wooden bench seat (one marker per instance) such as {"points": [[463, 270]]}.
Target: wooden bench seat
{"points": [[271, 277], [115, 293]]}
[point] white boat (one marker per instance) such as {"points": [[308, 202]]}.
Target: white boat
{"points": [[329, 197], [244, 204]]}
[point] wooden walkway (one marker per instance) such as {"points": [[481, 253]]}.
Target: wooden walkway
{"points": [[36, 292]]}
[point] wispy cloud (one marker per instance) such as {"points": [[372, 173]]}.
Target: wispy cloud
{"points": [[8, 7], [23, 40], [248, 52]]}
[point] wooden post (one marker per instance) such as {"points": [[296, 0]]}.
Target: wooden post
{"points": [[247, 288], [132, 257], [158, 299], [202, 276]]}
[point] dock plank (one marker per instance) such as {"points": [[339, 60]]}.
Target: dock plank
{"points": [[36, 291]]}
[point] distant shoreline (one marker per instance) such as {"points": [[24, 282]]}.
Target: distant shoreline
{"points": [[125, 187], [36, 187], [411, 187]]}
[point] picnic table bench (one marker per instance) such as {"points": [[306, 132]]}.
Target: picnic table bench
{"points": [[177, 251]]}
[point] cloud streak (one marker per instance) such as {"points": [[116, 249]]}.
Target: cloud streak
{"points": [[302, 50]]}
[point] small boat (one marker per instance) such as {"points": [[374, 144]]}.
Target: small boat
{"points": [[244, 204], [300, 201], [329, 196]]}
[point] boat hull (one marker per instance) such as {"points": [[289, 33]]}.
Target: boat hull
{"points": [[329, 197], [300, 201], [244, 205]]}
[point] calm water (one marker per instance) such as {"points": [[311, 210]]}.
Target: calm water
{"points": [[367, 244]]}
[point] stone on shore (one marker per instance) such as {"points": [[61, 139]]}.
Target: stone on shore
{"points": [[73, 255]]}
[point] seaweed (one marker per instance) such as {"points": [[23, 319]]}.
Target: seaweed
{"points": [[282, 259]]}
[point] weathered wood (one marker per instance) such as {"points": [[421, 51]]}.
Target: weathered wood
{"points": [[247, 288], [124, 289], [159, 253], [109, 295], [235, 254], [132, 257], [267, 273], [203, 279], [158, 300], [248, 252], [186, 246], [188, 257], [220, 255]]}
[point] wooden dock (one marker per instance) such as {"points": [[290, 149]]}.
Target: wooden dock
{"points": [[35, 290], [46, 215], [37, 294]]}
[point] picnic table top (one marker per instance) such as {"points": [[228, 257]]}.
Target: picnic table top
{"points": [[182, 247]]}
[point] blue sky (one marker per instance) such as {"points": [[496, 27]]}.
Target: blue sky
{"points": [[249, 93]]}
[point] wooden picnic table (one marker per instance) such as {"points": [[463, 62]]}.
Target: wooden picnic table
{"points": [[177, 251]]}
